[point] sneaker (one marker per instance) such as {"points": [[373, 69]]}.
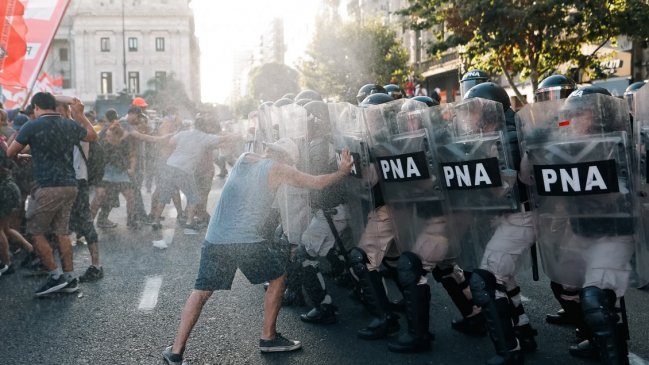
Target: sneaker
{"points": [[29, 260], [279, 344], [51, 286], [106, 224], [73, 286], [93, 273], [322, 314], [170, 358]]}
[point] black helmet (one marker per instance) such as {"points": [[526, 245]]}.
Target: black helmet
{"points": [[283, 101], [309, 95], [630, 92], [394, 91], [376, 99], [318, 119], [302, 102], [266, 103], [288, 96], [587, 90], [367, 90], [554, 87], [490, 91], [318, 109], [471, 79], [426, 99]]}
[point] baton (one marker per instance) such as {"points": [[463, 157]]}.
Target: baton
{"points": [[535, 263], [334, 231]]}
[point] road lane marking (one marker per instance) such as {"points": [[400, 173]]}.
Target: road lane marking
{"points": [[149, 297], [637, 360]]}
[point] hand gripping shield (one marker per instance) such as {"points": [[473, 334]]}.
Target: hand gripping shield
{"points": [[400, 139], [348, 131], [577, 161], [641, 126], [293, 202]]}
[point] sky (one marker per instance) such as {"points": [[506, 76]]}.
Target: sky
{"points": [[223, 27]]}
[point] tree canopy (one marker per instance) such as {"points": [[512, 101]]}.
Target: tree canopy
{"points": [[529, 38], [270, 81], [343, 56]]}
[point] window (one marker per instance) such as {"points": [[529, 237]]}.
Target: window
{"points": [[134, 82], [160, 77], [63, 54], [105, 44], [160, 44], [132, 44], [106, 84]]}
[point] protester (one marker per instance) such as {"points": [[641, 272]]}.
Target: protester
{"points": [[233, 241], [52, 140]]}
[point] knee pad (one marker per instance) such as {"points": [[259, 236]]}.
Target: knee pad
{"points": [[358, 260], [410, 269], [483, 287], [598, 306], [313, 284]]}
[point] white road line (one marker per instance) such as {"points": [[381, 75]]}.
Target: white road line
{"points": [[637, 360], [525, 299], [149, 297]]}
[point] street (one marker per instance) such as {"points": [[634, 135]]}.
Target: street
{"points": [[131, 315]]}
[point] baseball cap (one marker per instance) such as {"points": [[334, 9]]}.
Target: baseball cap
{"points": [[285, 146], [140, 102]]}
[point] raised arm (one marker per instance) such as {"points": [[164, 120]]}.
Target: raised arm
{"points": [[284, 174], [77, 108]]}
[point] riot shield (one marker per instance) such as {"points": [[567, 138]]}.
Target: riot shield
{"points": [[349, 132], [263, 132], [399, 137], [293, 202], [578, 163], [476, 170], [641, 129]]}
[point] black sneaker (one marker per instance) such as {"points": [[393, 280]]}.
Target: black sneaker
{"points": [[279, 344], [322, 314], [171, 358], [93, 273], [73, 286], [51, 286]]}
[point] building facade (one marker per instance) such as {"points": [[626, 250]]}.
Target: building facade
{"points": [[105, 47]]}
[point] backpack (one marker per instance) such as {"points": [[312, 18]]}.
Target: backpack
{"points": [[95, 162]]}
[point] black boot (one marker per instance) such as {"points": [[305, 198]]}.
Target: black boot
{"points": [[321, 314], [417, 338], [570, 312], [384, 322], [472, 326], [599, 310], [498, 316], [525, 333]]}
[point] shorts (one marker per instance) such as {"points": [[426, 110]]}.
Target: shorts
{"points": [[259, 262], [176, 179], [81, 220], [9, 197], [49, 209]]}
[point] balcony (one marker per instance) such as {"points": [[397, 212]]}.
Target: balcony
{"points": [[450, 60]]}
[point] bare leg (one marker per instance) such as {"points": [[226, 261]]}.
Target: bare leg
{"points": [[189, 317], [65, 249], [177, 202], [17, 237], [272, 304], [129, 195], [44, 251], [100, 195], [4, 243], [93, 248]]}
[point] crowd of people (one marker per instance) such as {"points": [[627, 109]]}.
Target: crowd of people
{"points": [[389, 190]]}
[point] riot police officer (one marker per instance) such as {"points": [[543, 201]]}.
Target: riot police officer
{"points": [[367, 90], [470, 79]]}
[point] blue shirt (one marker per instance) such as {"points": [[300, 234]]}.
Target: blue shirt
{"points": [[52, 140], [245, 204]]}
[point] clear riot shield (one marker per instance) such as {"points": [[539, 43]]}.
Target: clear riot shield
{"points": [[293, 202], [476, 170], [263, 132], [641, 129], [577, 159], [399, 136], [349, 132]]}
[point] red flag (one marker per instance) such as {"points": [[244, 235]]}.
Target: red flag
{"points": [[12, 42]]}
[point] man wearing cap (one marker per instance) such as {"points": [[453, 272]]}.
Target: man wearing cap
{"points": [[234, 239]]}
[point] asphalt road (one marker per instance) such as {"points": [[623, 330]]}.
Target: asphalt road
{"points": [[131, 315]]}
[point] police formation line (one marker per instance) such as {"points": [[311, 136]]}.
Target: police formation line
{"points": [[464, 191]]}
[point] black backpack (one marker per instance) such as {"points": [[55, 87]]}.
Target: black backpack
{"points": [[95, 162]]}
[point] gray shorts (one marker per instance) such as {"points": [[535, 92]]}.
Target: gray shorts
{"points": [[49, 210], [259, 262], [176, 179]]}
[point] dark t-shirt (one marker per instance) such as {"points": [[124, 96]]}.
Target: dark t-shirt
{"points": [[52, 139]]}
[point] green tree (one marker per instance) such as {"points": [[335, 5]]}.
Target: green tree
{"points": [[529, 38], [342, 57], [270, 81], [242, 107]]}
